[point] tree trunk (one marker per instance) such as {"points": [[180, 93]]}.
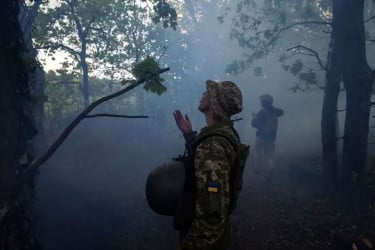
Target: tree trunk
{"points": [[13, 93], [358, 78], [85, 84], [36, 76], [329, 115], [85, 76]]}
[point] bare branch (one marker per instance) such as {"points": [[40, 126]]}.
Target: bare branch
{"points": [[305, 23], [72, 6], [369, 19], [31, 170], [296, 24], [88, 28], [313, 53], [68, 49], [118, 116]]}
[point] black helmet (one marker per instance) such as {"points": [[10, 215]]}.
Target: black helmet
{"points": [[266, 98], [164, 187]]}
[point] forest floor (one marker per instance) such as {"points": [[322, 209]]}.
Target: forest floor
{"points": [[96, 199], [294, 210]]}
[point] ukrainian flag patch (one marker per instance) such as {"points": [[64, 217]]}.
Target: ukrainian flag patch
{"points": [[213, 187]]}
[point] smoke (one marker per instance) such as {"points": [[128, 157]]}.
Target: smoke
{"points": [[94, 184]]}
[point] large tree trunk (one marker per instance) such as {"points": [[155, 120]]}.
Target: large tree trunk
{"points": [[13, 92], [15, 229], [358, 78], [36, 74], [329, 114]]}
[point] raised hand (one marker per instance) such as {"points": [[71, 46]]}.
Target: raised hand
{"points": [[183, 123]]}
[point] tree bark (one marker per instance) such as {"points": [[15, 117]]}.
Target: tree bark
{"points": [[85, 70], [329, 114], [13, 93], [358, 78], [85, 82]]}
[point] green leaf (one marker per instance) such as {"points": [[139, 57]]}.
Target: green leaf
{"points": [[149, 69], [308, 77], [296, 67], [155, 87]]}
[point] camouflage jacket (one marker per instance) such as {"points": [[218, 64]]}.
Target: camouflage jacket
{"points": [[212, 163]]}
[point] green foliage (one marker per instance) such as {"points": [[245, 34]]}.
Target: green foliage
{"points": [[165, 14], [148, 69], [261, 27], [296, 67], [63, 98], [308, 77], [29, 61], [108, 34]]}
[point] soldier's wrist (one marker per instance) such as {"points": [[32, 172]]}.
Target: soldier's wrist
{"points": [[189, 137]]}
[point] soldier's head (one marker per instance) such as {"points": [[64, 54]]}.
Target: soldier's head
{"points": [[223, 98], [266, 100]]}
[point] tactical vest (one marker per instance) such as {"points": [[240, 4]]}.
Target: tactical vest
{"points": [[185, 208]]}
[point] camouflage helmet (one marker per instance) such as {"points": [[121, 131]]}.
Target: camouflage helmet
{"points": [[225, 98], [266, 99]]}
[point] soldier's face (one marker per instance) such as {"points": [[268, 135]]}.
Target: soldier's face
{"points": [[205, 103]]}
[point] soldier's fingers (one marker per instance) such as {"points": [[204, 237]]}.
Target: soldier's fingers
{"points": [[187, 117], [179, 115]]}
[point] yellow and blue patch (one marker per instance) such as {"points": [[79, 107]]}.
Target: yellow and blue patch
{"points": [[213, 187]]}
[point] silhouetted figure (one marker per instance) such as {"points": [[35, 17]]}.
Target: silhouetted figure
{"points": [[265, 121]]}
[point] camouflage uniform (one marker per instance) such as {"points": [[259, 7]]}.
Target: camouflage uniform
{"points": [[213, 158]]}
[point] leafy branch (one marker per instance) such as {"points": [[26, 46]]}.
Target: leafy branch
{"points": [[29, 173]]}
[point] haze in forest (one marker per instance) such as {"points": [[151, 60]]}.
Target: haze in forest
{"points": [[96, 178]]}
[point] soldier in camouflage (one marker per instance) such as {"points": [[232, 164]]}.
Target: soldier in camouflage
{"points": [[211, 162]]}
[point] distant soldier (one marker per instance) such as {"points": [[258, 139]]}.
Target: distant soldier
{"points": [[265, 121], [214, 165]]}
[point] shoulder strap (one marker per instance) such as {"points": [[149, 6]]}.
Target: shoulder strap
{"points": [[224, 133]]}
